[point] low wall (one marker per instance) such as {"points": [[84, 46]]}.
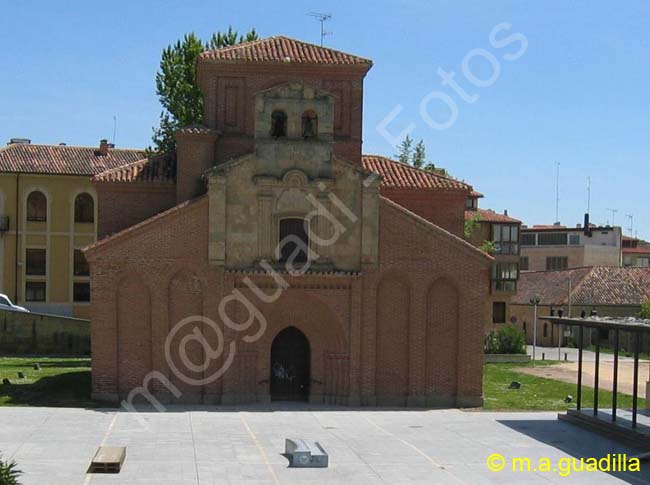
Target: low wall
{"points": [[39, 333], [506, 358]]}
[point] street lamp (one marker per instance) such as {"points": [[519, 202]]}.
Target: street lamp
{"points": [[535, 300]]}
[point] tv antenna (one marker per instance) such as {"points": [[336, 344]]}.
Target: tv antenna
{"points": [[322, 18], [588, 194], [631, 227], [613, 211], [557, 192], [114, 128]]}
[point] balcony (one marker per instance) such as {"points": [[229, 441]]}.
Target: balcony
{"points": [[506, 248], [4, 223]]}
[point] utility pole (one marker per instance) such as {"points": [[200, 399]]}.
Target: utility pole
{"points": [[322, 18], [535, 300]]}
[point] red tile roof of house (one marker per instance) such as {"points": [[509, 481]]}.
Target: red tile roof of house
{"points": [[154, 169], [63, 159], [488, 215], [637, 250], [597, 285], [280, 49], [400, 175]]}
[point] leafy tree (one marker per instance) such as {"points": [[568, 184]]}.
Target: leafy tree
{"points": [[9, 473], [645, 309], [404, 150], [471, 225], [488, 247], [419, 155], [176, 87]]}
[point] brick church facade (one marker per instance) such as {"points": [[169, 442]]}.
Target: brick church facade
{"points": [[384, 304]]}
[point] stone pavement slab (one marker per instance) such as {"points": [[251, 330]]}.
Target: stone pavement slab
{"points": [[224, 445]]}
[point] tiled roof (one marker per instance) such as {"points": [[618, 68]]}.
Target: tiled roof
{"points": [[63, 159], [598, 285], [154, 169], [280, 49], [637, 250], [400, 175], [488, 215]]}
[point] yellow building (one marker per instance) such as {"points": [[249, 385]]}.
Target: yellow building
{"points": [[48, 212], [499, 235]]}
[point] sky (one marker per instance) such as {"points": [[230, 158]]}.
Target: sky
{"points": [[501, 92]]}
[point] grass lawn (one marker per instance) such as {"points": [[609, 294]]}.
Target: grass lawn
{"points": [[538, 393], [62, 381]]}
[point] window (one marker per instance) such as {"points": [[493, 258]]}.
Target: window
{"points": [[80, 264], [545, 330], [294, 242], [552, 239], [505, 271], [36, 207], [643, 262], [528, 239], [81, 291], [35, 291], [523, 263], [84, 208], [557, 262], [505, 276], [35, 262], [574, 239], [499, 312], [471, 203], [506, 238], [278, 124], [4, 301], [309, 124]]}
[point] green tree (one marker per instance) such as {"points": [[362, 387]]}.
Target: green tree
{"points": [[404, 150], [471, 225], [645, 309], [176, 87], [419, 155]]}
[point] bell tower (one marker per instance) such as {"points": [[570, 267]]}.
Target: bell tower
{"points": [[281, 89]]}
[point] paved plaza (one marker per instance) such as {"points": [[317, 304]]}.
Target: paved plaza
{"points": [[245, 445]]}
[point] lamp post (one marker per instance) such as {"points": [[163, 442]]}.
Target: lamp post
{"points": [[535, 301]]}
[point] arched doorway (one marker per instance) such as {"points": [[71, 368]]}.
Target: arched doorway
{"points": [[290, 361]]}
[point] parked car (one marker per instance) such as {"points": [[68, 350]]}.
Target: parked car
{"points": [[5, 304]]}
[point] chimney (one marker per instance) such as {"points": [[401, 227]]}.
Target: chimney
{"points": [[103, 147], [505, 212], [586, 229]]}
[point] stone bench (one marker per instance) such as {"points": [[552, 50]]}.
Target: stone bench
{"points": [[305, 454]]}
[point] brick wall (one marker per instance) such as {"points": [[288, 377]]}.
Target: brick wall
{"points": [[407, 331], [442, 208], [121, 205]]}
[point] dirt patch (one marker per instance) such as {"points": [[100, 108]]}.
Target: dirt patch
{"points": [[568, 372]]}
